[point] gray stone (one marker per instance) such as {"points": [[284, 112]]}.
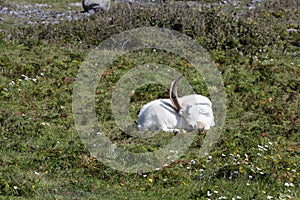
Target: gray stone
{"points": [[95, 5]]}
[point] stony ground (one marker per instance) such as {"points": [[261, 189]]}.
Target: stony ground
{"points": [[16, 13], [28, 14]]}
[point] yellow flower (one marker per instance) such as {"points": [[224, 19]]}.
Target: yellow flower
{"points": [[241, 169], [6, 186], [278, 156], [150, 180], [33, 186]]}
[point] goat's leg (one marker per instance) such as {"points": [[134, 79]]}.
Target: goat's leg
{"points": [[169, 130], [173, 130]]}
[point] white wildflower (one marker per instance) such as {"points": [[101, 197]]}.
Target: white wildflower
{"points": [[208, 193], [25, 77], [261, 148], [259, 154], [286, 184]]}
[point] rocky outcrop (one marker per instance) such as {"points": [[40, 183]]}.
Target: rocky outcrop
{"points": [[95, 5]]}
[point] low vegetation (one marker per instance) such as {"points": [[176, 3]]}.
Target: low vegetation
{"points": [[256, 157]]}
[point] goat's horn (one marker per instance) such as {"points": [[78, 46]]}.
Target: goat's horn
{"points": [[173, 94]]}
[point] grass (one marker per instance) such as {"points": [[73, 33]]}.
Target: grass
{"points": [[256, 156]]}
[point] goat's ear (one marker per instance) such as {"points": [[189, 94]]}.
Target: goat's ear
{"points": [[188, 108], [185, 110]]}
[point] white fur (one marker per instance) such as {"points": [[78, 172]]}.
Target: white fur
{"points": [[196, 114]]}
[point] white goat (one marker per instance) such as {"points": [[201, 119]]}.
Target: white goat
{"points": [[191, 112]]}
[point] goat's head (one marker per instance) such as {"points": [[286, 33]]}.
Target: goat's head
{"points": [[196, 116]]}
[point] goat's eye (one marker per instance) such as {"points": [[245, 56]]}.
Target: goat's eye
{"points": [[203, 111]]}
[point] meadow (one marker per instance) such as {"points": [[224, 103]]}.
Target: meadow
{"points": [[257, 155]]}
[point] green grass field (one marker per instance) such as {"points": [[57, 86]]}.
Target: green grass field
{"points": [[256, 157]]}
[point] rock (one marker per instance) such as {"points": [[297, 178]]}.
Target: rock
{"points": [[75, 4], [3, 10], [95, 5], [141, 2]]}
